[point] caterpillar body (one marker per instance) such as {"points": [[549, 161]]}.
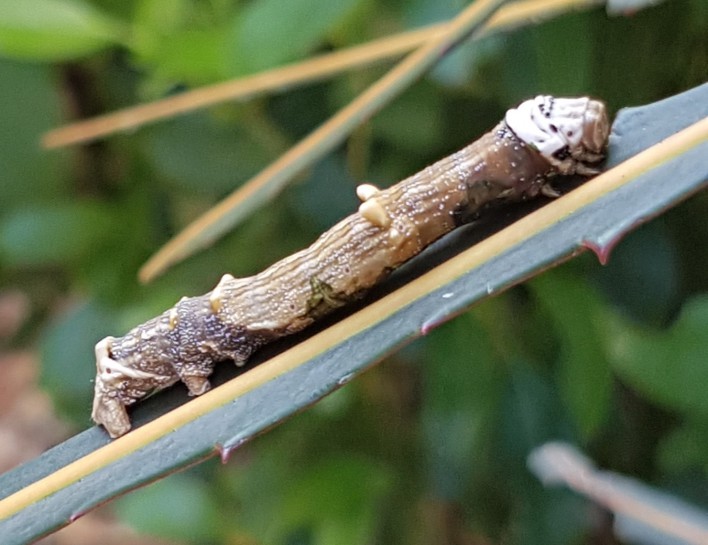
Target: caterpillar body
{"points": [[542, 137]]}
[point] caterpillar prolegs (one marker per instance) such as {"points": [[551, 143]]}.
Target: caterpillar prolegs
{"points": [[542, 137]]}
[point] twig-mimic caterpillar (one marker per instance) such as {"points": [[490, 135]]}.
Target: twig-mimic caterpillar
{"points": [[542, 137]]}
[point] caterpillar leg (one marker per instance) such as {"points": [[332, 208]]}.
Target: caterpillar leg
{"points": [[547, 190], [108, 410], [118, 384], [196, 385], [111, 414]]}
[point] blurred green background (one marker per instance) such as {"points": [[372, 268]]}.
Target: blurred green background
{"points": [[430, 446]]}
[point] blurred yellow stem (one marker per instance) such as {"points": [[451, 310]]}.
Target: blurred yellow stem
{"points": [[298, 74]]}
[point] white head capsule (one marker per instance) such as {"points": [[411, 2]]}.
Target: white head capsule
{"points": [[566, 131]]}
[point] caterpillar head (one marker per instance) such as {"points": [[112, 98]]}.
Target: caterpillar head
{"points": [[568, 132], [119, 383]]}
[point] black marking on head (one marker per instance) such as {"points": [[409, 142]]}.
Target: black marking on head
{"points": [[546, 107], [504, 131], [562, 153]]}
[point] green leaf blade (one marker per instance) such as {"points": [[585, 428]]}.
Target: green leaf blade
{"points": [[54, 30], [668, 367], [271, 32], [53, 233], [584, 372]]}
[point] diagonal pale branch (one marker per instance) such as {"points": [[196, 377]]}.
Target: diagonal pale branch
{"points": [[297, 74], [221, 218], [657, 158], [640, 511]]}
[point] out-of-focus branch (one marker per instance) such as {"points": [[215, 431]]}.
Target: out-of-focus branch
{"points": [[294, 75], [636, 506]]}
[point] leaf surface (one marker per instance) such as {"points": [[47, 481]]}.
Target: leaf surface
{"points": [[54, 30]]}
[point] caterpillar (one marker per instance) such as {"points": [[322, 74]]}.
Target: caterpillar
{"points": [[517, 159]]}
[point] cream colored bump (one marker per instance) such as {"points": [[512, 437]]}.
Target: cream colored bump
{"points": [[215, 300], [396, 236], [224, 279], [173, 318], [366, 191], [374, 213], [215, 297]]}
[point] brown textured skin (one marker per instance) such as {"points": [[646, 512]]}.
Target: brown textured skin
{"points": [[240, 315]]}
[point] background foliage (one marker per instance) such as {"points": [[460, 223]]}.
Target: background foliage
{"points": [[429, 447]]}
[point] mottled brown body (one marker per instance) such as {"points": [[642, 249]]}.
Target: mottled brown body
{"points": [[240, 315]]}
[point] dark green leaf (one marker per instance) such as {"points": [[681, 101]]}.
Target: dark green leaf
{"points": [[531, 414], [63, 363], [668, 367], [185, 513], [330, 182], [52, 233], [316, 500], [273, 32], [191, 56], [199, 154], [179, 44], [462, 382], [686, 448], [578, 319], [29, 105], [414, 123], [646, 262], [562, 69]]}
